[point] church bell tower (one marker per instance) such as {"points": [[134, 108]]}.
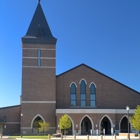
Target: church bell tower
{"points": [[38, 99]]}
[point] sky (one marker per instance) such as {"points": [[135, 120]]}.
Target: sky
{"points": [[103, 34]]}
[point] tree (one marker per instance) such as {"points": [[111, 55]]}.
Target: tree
{"points": [[36, 122], [44, 127], [135, 119], [64, 122]]}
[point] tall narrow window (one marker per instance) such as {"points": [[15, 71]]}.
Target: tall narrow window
{"points": [[83, 93], [73, 94], [92, 95], [38, 59]]}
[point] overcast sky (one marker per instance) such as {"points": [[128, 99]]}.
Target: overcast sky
{"points": [[103, 34]]}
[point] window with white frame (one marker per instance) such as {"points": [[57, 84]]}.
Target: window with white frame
{"points": [[73, 94], [38, 59], [92, 95], [83, 93]]}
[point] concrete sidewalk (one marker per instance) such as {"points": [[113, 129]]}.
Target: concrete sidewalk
{"points": [[95, 138], [81, 137]]}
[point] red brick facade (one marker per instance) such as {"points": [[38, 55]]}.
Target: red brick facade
{"points": [[48, 96], [10, 120]]}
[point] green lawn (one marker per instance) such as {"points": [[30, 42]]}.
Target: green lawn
{"points": [[30, 137]]}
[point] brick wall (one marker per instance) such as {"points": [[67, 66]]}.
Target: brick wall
{"points": [[110, 94]]}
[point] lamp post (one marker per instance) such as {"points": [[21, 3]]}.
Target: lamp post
{"points": [[21, 125], [58, 129], [127, 108]]}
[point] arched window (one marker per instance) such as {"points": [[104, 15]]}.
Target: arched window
{"points": [[73, 94], [92, 95], [83, 93], [36, 122], [39, 60]]}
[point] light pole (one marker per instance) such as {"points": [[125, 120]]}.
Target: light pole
{"points": [[21, 125], [127, 108]]}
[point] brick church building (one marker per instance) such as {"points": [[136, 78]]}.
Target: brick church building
{"points": [[91, 99]]}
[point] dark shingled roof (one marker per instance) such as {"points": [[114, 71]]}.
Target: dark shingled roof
{"points": [[39, 27]]}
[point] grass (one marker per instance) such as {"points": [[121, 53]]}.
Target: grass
{"points": [[29, 137]]}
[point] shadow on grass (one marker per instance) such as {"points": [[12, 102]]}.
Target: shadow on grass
{"points": [[29, 137]]}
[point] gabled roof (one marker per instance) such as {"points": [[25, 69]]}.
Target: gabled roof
{"points": [[97, 72], [39, 27], [10, 106]]}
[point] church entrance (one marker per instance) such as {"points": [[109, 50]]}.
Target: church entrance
{"points": [[105, 124], [67, 131], [70, 130], [36, 124], [124, 125], [86, 126], [1, 128]]}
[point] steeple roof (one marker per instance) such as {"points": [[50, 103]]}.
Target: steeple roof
{"points": [[39, 27]]}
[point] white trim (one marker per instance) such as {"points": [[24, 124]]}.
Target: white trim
{"points": [[12, 122], [121, 121], [96, 111], [38, 115], [81, 81], [72, 124], [38, 66], [38, 102], [92, 83], [25, 128], [90, 121], [73, 83], [111, 123], [36, 49], [39, 57], [31, 128]]}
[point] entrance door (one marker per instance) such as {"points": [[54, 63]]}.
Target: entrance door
{"points": [[1, 128], [86, 126], [36, 124], [124, 125], [105, 124]]}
